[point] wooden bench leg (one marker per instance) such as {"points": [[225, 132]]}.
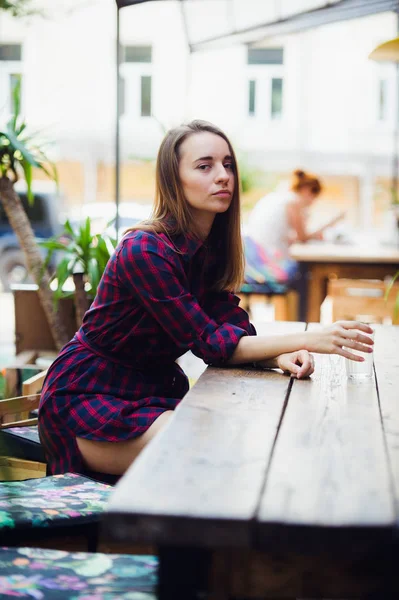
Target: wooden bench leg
{"points": [[293, 305], [280, 305]]}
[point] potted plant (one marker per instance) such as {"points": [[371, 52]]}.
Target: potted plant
{"points": [[19, 154], [84, 257]]}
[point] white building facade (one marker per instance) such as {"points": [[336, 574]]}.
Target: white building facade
{"points": [[310, 99]]}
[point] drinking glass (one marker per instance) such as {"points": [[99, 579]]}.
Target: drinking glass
{"points": [[360, 370]]}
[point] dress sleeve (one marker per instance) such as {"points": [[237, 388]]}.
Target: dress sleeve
{"points": [[155, 276], [223, 307]]}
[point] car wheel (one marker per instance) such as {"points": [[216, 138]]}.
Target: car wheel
{"points": [[12, 269]]}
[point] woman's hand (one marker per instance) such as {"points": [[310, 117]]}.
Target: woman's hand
{"points": [[340, 338], [299, 363]]}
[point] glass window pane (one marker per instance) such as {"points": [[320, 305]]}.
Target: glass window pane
{"points": [[265, 56], [252, 96], [277, 98], [10, 51], [138, 54], [146, 95]]}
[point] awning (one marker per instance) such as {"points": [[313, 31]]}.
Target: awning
{"points": [[215, 23]]}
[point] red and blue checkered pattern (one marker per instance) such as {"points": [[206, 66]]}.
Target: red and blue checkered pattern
{"points": [[118, 373]]}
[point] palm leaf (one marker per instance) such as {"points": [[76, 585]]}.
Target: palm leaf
{"points": [[16, 102], [94, 274], [20, 146], [68, 228], [52, 244], [62, 272], [27, 169]]}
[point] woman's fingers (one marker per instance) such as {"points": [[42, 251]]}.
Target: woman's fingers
{"points": [[344, 352], [306, 361], [356, 336], [300, 363], [354, 345], [356, 325]]}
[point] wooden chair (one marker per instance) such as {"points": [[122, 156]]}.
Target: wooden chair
{"points": [[16, 469], [19, 436], [362, 299], [285, 303]]}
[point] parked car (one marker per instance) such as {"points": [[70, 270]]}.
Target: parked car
{"points": [[44, 217]]}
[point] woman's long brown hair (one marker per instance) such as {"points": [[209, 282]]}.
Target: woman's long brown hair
{"points": [[172, 213]]}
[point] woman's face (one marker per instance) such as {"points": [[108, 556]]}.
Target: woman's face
{"points": [[206, 171]]}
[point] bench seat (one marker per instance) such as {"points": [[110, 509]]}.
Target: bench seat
{"points": [[59, 575], [42, 510]]}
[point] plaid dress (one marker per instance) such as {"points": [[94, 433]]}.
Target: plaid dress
{"points": [[118, 373]]}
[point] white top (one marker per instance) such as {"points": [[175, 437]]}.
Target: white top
{"points": [[268, 222]]}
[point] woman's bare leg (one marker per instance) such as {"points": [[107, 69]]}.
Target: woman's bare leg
{"points": [[115, 457]]}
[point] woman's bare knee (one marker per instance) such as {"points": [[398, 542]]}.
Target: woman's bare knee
{"points": [[115, 457]]}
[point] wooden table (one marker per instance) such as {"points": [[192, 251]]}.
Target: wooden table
{"points": [[262, 486], [323, 260]]}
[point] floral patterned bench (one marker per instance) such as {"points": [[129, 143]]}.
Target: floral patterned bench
{"points": [[58, 511], [40, 574]]}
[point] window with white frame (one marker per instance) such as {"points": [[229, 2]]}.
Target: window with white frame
{"points": [[136, 71], [265, 71], [10, 74]]}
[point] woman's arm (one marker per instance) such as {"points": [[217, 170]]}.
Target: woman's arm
{"points": [[318, 234], [297, 223], [333, 339]]}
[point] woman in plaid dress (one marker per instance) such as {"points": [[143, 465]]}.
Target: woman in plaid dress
{"points": [[166, 289]]}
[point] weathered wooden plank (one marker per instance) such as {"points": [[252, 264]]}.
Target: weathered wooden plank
{"points": [[199, 481], [386, 362], [329, 466]]}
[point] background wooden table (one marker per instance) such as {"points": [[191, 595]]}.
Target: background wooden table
{"points": [[320, 261], [265, 486]]}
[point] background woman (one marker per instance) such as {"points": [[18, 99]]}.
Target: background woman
{"points": [[278, 220], [167, 289]]}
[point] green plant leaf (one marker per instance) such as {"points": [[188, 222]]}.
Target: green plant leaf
{"points": [[396, 308], [63, 271], [94, 274], [27, 169], [388, 290], [52, 244], [20, 147]]}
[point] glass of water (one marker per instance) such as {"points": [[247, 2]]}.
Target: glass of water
{"points": [[360, 370]]}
